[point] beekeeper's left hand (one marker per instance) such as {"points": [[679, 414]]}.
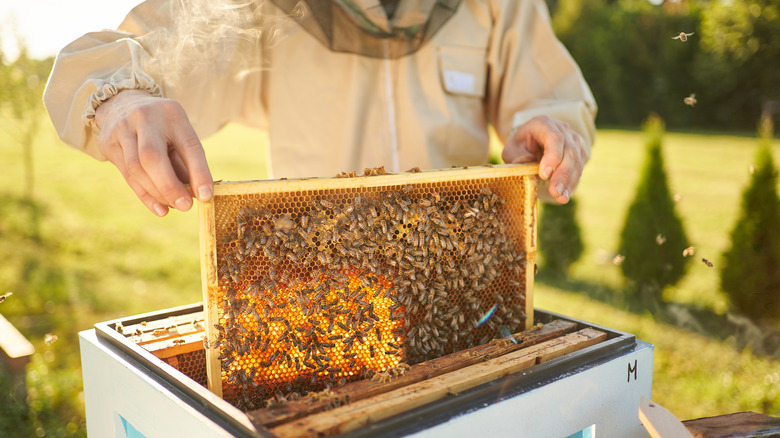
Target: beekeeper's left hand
{"points": [[557, 148]]}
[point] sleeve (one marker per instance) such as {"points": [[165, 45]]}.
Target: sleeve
{"points": [[531, 73], [98, 65]]}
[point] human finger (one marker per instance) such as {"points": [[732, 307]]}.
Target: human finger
{"points": [[178, 166], [135, 169], [566, 176], [115, 155], [154, 158], [542, 137], [190, 151]]}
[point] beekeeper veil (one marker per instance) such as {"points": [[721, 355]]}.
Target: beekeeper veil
{"points": [[373, 28]]}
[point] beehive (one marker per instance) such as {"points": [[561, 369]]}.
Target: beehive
{"points": [[312, 283]]}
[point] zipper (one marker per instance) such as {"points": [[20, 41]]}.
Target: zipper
{"points": [[390, 101]]}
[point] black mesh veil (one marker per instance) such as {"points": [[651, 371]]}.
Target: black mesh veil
{"points": [[342, 27]]}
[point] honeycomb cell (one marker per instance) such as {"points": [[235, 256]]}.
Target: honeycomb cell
{"points": [[317, 286]]}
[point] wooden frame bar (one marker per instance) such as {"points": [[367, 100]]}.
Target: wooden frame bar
{"points": [[363, 412], [208, 242]]}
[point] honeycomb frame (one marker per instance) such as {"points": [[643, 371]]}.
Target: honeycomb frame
{"points": [[240, 212]]}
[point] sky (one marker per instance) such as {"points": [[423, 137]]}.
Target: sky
{"points": [[46, 26]]}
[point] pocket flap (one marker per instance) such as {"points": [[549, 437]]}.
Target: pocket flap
{"points": [[463, 70]]}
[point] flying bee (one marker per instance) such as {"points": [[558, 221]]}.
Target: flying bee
{"points": [[688, 251], [707, 262], [50, 338], [660, 239], [690, 100], [8, 294], [682, 36]]}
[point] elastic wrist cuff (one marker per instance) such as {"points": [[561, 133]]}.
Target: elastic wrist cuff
{"points": [[109, 90]]}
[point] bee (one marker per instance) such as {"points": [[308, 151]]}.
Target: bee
{"points": [[8, 294], [660, 239], [682, 36], [50, 338], [707, 262], [688, 251], [690, 100], [617, 260]]}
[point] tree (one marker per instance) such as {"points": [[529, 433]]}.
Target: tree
{"points": [[750, 274], [653, 238], [21, 108], [560, 240], [737, 66]]}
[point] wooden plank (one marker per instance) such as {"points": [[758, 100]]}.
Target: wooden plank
{"points": [[209, 278], [659, 422], [531, 186], [360, 413], [362, 389], [15, 348], [403, 178], [150, 332], [736, 425], [179, 345]]}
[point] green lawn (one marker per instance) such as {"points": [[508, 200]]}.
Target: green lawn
{"points": [[87, 251]]}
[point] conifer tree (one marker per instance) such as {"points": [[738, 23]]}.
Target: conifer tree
{"points": [[750, 272], [653, 238], [560, 240]]}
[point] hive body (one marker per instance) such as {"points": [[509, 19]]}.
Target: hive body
{"points": [[315, 283]]}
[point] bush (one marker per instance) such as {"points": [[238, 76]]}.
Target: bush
{"points": [[653, 238], [750, 274], [560, 240]]}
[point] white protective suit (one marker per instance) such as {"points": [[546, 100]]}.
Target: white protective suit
{"points": [[493, 62]]}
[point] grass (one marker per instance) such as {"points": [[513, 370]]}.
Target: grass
{"points": [[87, 251]]}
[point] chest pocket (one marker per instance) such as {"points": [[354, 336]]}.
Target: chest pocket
{"points": [[463, 70]]}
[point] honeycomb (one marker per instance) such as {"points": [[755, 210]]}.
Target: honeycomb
{"points": [[320, 283], [192, 364]]}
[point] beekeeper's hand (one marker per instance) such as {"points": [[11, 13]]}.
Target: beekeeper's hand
{"points": [[150, 140], [555, 146]]}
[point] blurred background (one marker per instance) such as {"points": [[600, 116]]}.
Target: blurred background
{"points": [[672, 235]]}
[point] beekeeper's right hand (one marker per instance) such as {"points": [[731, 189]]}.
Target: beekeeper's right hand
{"points": [[152, 143]]}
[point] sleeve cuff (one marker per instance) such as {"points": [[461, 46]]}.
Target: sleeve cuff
{"points": [[139, 81]]}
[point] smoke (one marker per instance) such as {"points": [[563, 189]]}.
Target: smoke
{"points": [[208, 35]]}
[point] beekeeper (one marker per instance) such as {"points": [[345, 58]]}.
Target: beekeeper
{"points": [[339, 85]]}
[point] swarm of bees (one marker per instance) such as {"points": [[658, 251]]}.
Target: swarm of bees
{"points": [[352, 288]]}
